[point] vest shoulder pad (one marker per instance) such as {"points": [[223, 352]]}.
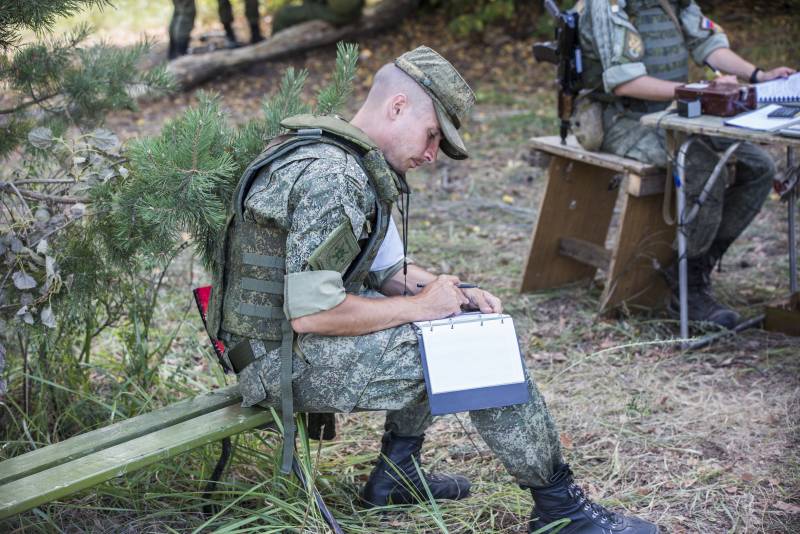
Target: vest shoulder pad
{"points": [[331, 125]]}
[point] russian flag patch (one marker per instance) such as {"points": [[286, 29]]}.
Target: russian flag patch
{"points": [[708, 24]]}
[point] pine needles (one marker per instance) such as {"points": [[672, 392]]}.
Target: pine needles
{"points": [[183, 179], [180, 178], [335, 95]]}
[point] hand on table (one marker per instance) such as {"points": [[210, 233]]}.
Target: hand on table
{"points": [[778, 72], [726, 78]]}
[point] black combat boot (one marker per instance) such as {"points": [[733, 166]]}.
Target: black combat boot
{"points": [[702, 305], [230, 37], [563, 499], [396, 479], [255, 34], [177, 48]]}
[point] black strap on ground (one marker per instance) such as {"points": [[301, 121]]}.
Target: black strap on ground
{"points": [[323, 508], [210, 509]]}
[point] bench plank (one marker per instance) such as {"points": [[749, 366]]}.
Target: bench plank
{"points": [[126, 430], [585, 252], [573, 151], [119, 460]]}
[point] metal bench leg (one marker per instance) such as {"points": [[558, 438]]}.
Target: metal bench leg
{"points": [[210, 509]]}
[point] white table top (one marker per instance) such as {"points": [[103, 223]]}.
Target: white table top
{"points": [[711, 125]]}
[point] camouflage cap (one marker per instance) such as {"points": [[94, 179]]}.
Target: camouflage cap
{"points": [[452, 97]]}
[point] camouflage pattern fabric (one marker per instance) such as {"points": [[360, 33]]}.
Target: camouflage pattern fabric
{"points": [[451, 94], [310, 196], [728, 210], [180, 27], [226, 12], [611, 58], [383, 371], [640, 38]]}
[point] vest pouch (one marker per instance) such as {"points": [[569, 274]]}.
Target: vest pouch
{"points": [[587, 121]]}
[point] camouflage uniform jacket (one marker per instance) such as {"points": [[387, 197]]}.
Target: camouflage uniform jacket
{"points": [[616, 51], [308, 194]]}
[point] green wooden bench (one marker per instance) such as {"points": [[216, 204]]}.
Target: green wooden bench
{"points": [[86, 460]]}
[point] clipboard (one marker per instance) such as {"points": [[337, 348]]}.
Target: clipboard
{"points": [[471, 362]]}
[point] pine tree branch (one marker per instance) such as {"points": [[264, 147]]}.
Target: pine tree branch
{"points": [[46, 181], [27, 104], [60, 199]]}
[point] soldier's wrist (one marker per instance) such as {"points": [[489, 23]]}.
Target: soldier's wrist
{"points": [[754, 76]]}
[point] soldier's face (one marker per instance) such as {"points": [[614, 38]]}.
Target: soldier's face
{"points": [[415, 137]]}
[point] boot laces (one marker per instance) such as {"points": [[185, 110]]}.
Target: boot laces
{"points": [[597, 511]]}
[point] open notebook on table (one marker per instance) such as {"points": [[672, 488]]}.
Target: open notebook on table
{"points": [[779, 90], [471, 361], [759, 120]]}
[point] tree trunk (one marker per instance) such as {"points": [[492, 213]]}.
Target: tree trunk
{"points": [[192, 70]]}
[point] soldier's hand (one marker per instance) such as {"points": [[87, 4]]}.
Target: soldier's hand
{"points": [[779, 72], [483, 300], [726, 78], [440, 298]]}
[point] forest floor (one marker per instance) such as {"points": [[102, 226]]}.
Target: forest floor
{"points": [[699, 442]]}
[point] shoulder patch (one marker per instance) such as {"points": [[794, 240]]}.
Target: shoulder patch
{"points": [[634, 47], [337, 251], [708, 24]]}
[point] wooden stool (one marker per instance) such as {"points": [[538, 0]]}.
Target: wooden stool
{"points": [[569, 237]]}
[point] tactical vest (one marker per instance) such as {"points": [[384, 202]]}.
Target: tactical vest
{"points": [[247, 299], [666, 56]]}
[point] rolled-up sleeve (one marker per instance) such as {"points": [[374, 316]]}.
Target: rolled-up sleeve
{"points": [[310, 292], [701, 40]]}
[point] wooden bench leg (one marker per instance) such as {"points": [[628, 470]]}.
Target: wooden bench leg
{"points": [[224, 457], [578, 203], [644, 239]]}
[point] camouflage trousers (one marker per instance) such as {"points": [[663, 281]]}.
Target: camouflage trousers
{"points": [[734, 200], [225, 12], [180, 27], [383, 371]]}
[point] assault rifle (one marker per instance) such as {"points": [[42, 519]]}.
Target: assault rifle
{"points": [[565, 52]]}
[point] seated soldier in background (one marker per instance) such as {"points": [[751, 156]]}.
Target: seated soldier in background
{"points": [[313, 297], [336, 12], [635, 53]]}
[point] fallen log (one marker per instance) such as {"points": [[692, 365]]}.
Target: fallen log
{"points": [[191, 70]]}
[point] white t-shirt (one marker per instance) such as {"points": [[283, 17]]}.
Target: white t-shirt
{"points": [[391, 250]]}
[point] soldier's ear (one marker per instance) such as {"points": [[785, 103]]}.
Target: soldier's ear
{"points": [[397, 105]]}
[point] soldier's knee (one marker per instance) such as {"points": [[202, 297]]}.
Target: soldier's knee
{"points": [[757, 165]]}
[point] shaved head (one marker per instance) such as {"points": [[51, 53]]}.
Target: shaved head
{"points": [[390, 81]]}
